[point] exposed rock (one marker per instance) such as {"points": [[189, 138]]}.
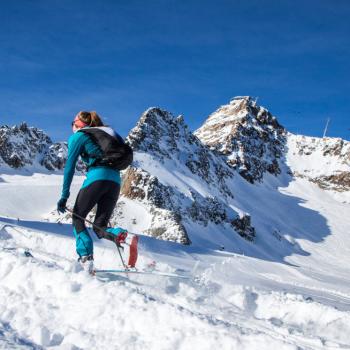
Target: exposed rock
{"points": [[167, 225], [160, 134], [243, 226], [167, 140], [323, 161], [248, 135], [55, 156], [133, 184], [338, 182], [206, 209], [23, 146]]}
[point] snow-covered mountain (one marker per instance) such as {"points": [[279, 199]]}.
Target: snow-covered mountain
{"points": [[324, 161], [190, 178], [184, 181], [22, 146], [255, 143], [262, 211], [28, 148], [248, 135], [179, 179]]}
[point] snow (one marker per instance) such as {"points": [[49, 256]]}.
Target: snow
{"points": [[29, 196], [313, 162], [288, 290]]}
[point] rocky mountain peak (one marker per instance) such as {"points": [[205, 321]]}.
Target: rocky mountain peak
{"points": [[168, 139], [248, 135], [157, 132], [19, 145], [179, 178], [23, 146]]}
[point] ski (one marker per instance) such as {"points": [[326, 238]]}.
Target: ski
{"points": [[142, 272], [132, 256], [26, 252]]}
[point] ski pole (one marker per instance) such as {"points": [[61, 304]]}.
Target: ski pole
{"points": [[100, 229]]}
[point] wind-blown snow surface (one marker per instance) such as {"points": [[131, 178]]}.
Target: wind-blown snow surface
{"points": [[294, 296]]}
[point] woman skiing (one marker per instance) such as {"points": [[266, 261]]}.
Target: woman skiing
{"points": [[101, 187]]}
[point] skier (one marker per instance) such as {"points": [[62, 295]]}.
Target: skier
{"points": [[101, 187]]}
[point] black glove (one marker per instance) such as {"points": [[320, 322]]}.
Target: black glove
{"points": [[61, 205]]}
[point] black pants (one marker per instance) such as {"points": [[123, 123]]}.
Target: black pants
{"points": [[105, 194]]}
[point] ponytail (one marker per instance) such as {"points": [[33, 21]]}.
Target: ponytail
{"points": [[95, 119], [90, 118]]}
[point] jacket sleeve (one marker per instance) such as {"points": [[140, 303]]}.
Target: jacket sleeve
{"points": [[75, 148]]}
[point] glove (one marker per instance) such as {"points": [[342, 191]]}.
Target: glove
{"points": [[61, 205]]}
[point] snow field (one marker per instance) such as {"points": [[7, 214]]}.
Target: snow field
{"points": [[276, 304], [50, 302], [288, 290], [72, 308]]}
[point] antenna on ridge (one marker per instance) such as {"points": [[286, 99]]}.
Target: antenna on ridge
{"points": [[325, 129]]}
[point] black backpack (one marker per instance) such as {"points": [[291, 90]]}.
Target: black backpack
{"points": [[116, 153]]}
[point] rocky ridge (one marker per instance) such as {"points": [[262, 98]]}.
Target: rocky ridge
{"points": [[323, 161], [169, 143], [28, 147], [248, 135]]}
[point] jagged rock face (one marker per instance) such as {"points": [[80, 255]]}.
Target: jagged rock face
{"points": [[169, 208], [323, 161], [243, 226], [334, 147], [248, 135], [20, 145], [55, 156], [165, 217], [167, 139]]}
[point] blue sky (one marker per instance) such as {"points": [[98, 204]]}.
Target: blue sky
{"points": [[120, 57]]}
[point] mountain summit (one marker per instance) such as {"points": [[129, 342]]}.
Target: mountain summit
{"points": [[28, 147], [248, 135], [179, 180]]}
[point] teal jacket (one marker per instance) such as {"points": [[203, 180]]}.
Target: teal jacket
{"points": [[80, 144]]}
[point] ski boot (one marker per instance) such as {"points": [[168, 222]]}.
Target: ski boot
{"points": [[87, 263]]}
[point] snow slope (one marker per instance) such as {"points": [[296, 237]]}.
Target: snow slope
{"points": [[288, 290]]}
